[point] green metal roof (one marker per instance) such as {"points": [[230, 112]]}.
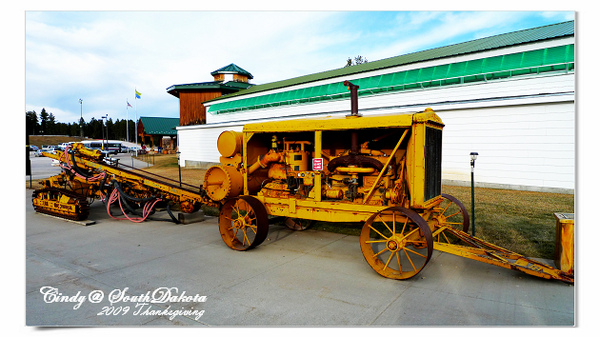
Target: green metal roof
{"points": [[555, 59], [228, 87], [232, 68], [531, 35], [160, 125]]}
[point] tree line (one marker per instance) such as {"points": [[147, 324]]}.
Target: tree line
{"points": [[46, 124]]}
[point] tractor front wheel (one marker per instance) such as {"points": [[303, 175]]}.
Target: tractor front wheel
{"points": [[396, 242], [243, 223]]}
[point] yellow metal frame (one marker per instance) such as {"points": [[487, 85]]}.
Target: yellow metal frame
{"points": [[486, 252]]}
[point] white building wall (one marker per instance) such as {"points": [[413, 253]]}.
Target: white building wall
{"points": [[522, 146], [198, 143], [522, 127], [524, 130], [548, 88]]}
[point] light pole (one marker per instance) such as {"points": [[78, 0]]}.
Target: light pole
{"points": [[103, 117], [81, 119], [473, 158], [107, 130]]}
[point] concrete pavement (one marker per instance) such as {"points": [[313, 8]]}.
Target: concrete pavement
{"points": [[309, 278]]}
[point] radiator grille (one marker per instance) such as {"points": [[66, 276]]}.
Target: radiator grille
{"points": [[433, 163]]}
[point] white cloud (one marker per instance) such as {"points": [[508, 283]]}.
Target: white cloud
{"points": [[102, 56]]}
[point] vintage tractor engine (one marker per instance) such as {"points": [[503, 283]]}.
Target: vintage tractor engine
{"points": [[375, 161]]}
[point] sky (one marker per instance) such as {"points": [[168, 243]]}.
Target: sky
{"points": [[102, 57]]}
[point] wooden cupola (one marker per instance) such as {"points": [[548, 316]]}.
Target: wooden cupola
{"points": [[231, 73]]}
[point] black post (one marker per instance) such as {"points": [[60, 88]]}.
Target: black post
{"points": [[28, 160], [179, 166], [473, 197], [473, 158]]}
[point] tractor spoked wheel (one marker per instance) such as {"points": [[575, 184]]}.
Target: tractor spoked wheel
{"points": [[396, 242], [243, 223]]}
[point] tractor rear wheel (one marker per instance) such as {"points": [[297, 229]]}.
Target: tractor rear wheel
{"points": [[453, 213]]}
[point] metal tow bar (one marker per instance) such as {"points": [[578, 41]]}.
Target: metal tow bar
{"points": [[486, 252]]}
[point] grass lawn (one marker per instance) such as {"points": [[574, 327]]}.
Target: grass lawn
{"points": [[520, 221]]}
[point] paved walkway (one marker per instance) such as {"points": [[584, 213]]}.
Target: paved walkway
{"points": [[310, 278]]}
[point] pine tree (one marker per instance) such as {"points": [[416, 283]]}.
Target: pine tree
{"points": [[43, 121]]}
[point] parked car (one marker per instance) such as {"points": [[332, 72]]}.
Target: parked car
{"points": [[48, 149], [34, 151], [63, 145]]}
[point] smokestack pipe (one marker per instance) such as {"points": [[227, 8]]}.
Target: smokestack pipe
{"points": [[353, 98], [353, 113]]}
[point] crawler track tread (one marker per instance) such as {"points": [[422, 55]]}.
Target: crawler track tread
{"points": [[82, 209]]}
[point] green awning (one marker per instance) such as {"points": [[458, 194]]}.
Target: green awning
{"points": [[560, 58]]}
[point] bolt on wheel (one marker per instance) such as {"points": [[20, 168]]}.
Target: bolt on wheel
{"points": [[396, 242], [243, 223]]}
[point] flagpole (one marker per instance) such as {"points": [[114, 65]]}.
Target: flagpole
{"points": [[127, 122], [136, 121]]}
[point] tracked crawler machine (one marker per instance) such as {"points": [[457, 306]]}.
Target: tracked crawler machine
{"points": [[383, 171], [87, 176]]}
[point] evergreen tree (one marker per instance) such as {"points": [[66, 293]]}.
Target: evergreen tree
{"points": [[43, 121], [51, 127], [357, 60]]}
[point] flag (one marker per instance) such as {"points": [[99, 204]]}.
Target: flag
{"points": [[138, 95], [129, 105]]}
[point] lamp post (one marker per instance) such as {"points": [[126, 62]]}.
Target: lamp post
{"points": [[103, 117], [81, 119], [473, 158]]}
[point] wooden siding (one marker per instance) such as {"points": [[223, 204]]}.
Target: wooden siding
{"points": [[240, 78], [191, 109]]}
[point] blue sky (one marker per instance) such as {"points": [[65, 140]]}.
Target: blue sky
{"points": [[102, 56]]}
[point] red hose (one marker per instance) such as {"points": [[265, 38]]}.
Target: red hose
{"points": [[114, 196]]}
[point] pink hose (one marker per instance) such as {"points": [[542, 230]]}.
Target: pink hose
{"points": [[69, 166], [115, 195]]}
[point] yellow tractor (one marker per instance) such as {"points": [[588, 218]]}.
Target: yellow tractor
{"points": [[385, 171]]}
